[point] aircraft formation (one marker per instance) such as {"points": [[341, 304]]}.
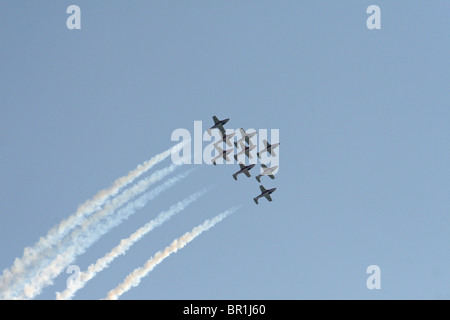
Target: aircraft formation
{"points": [[246, 147]]}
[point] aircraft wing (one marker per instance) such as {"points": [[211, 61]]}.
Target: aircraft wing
{"points": [[271, 176], [262, 189], [268, 197], [247, 173], [221, 128], [215, 119]]}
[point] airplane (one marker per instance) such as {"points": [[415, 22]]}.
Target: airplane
{"points": [[267, 172], [245, 150], [246, 136], [226, 138], [222, 154], [265, 193], [269, 148], [244, 169], [219, 124]]}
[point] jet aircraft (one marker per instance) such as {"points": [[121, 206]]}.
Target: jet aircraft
{"points": [[244, 150], [225, 138], [264, 193], [267, 172], [218, 124], [246, 136], [269, 148], [222, 154], [244, 169]]}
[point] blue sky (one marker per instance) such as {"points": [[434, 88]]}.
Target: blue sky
{"points": [[364, 130]]}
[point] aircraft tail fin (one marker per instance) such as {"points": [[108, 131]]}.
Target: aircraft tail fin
{"points": [[256, 200], [235, 176], [258, 178]]}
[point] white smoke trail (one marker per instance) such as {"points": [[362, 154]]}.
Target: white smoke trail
{"points": [[135, 277], [77, 242], [124, 245], [87, 234], [15, 275]]}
